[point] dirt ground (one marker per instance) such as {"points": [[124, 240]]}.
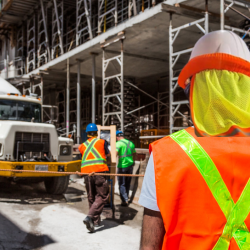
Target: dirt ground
{"points": [[32, 219]]}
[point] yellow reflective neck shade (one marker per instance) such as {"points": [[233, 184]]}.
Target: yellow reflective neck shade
{"points": [[220, 100]]}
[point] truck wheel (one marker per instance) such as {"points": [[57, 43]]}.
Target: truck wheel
{"points": [[57, 185]]}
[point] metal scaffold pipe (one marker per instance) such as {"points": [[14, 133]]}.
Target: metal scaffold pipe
{"points": [[170, 74], [68, 96], [222, 15], [206, 18], [93, 87], [78, 102]]}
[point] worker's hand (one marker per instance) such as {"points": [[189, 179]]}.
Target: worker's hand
{"points": [[78, 173], [92, 174]]}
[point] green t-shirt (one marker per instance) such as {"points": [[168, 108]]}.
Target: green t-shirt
{"points": [[125, 149]]}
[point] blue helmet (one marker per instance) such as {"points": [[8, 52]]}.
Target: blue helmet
{"points": [[118, 132], [91, 128]]}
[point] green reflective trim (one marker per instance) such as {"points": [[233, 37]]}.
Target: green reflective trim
{"points": [[90, 148], [123, 156], [93, 162], [234, 213], [126, 151]]}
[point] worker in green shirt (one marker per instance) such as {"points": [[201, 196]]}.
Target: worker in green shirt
{"points": [[125, 150]]}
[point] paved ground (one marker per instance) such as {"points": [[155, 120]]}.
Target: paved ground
{"points": [[32, 219]]}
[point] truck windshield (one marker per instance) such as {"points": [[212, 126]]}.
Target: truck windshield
{"points": [[19, 111]]}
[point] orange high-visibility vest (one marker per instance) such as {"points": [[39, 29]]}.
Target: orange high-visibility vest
{"points": [[93, 157], [192, 217]]}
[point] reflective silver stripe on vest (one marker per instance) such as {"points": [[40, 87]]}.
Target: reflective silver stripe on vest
{"points": [[123, 156], [94, 162], [89, 147], [128, 147]]}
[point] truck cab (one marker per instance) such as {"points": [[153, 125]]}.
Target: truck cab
{"points": [[24, 138]]}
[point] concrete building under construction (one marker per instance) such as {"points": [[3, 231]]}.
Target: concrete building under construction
{"points": [[110, 61]]}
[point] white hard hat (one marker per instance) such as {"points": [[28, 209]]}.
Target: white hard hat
{"points": [[219, 50], [221, 41]]}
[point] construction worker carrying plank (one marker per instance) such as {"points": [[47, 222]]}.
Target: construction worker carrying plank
{"points": [[196, 190], [94, 153], [125, 150]]}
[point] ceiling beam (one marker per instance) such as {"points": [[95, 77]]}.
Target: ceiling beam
{"points": [[137, 56], [192, 12]]}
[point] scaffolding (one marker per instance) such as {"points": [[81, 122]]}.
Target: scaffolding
{"points": [[43, 52], [20, 59], [176, 108], [225, 8], [57, 28], [116, 79], [31, 43], [83, 21], [162, 110], [107, 14]]}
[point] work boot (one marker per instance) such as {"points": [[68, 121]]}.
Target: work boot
{"points": [[89, 224], [124, 203]]}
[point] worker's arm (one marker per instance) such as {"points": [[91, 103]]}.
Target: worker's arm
{"points": [[117, 146], [134, 152], [81, 149], [153, 231], [107, 152], [134, 157]]}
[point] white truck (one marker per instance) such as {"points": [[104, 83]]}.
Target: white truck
{"points": [[28, 144]]}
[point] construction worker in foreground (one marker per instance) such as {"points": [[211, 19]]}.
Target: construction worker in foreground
{"points": [[196, 190], [125, 150], [94, 153]]}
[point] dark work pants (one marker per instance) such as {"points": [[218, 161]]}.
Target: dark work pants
{"points": [[98, 194], [124, 182]]}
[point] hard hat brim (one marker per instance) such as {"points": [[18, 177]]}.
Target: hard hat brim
{"points": [[217, 61]]}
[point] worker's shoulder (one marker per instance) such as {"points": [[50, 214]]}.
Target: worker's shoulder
{"points": [[102, 140], [163, 141], [167, 140], [130, 141]]}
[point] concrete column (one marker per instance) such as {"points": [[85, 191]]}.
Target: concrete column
{"points": [[67, 98], [93, 87], [78, 102]]}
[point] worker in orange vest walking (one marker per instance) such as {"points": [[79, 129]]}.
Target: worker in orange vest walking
{"points": [[196, 190], [94, 153]]}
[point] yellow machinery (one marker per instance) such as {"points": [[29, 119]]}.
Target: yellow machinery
{"points": [[59, 167]]}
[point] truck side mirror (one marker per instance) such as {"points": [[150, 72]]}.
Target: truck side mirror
{"points": [[52, 113]]}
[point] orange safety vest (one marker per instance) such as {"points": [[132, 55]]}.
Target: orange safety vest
{"points": [[195, 216], [93, 157]]}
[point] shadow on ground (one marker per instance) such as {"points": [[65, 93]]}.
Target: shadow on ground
{"points": [[32, 194], [120, 216], [12, 237]]}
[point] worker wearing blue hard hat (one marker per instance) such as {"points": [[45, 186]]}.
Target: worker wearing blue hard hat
{"points": [[119, 132], [125, 150], [94, 153], [91, 127]]}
